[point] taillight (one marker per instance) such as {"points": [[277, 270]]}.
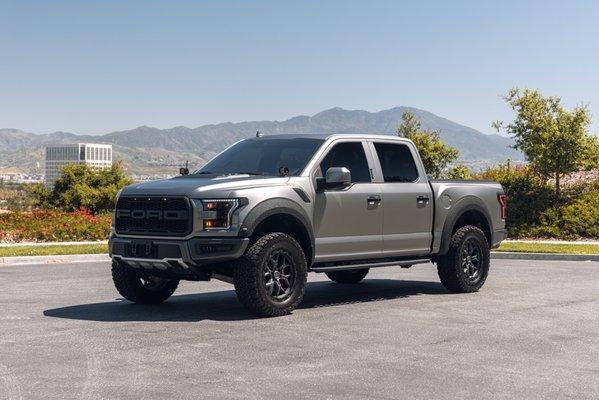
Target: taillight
{"points": [[501, 198]]}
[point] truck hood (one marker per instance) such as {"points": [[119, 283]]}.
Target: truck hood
{"points": [[195, 186]]}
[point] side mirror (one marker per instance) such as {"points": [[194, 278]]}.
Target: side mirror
{"points": [[336, 178]]}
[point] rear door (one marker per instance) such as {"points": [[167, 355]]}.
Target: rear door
{"points": [[406, 199], [348, 222]]}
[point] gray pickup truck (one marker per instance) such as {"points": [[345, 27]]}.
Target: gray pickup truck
{"points": [[268, 210]]}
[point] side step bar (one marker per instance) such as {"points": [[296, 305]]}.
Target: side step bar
{"points": [[405, 263]]}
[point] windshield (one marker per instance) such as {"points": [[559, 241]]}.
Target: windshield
{"points": [[264, 156]]}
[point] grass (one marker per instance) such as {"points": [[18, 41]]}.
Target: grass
{"points": [[103, 248], [550, 248], [53, 250]]}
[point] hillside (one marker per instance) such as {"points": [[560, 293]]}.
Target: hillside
{"points": [[147, 150]]}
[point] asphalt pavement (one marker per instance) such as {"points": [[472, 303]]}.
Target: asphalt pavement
{"points": [[531, 332]]}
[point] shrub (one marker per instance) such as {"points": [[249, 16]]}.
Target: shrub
{"points": [[534, 210], [45, 225], [577, 218], [527, 197]]}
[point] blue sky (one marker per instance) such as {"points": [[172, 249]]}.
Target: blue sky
{"points": [[96, 67]]}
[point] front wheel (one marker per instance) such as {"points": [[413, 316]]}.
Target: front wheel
{"points": [[270, 278], [141, 289], [465, 267]]}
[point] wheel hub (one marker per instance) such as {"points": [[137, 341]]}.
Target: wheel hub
{"points": [[471, 259], [279, 275]]}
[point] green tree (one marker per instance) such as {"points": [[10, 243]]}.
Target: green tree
{"points": [[553, 139], [459, 171], [409, 125], [435, 154], [591, 160], [81, 185]]}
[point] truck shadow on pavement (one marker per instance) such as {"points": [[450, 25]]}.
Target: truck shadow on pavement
{"points": [[223, 305]]}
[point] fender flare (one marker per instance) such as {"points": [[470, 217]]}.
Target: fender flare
{"points": [[465, 204], [270, 207]]}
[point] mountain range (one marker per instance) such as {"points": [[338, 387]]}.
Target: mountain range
{"points": [[146, 150]]}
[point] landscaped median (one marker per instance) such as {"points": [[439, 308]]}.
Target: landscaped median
{"points": [[57, 248], [545, 247], [52, 250]]}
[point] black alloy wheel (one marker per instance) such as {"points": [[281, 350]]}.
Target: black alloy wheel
{"points": [[279, 275], [472, 259]]}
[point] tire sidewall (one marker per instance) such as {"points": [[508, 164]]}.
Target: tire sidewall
{"points": [[128, 283], [249, 281], [297, 257], [485, 262]]}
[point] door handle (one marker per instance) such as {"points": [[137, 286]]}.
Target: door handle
{"points": [[422, 199], [372, 200]]}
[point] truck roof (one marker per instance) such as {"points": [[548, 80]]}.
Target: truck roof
{"points": [[325, 136]]}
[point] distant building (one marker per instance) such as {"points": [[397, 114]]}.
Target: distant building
{"points": [[96, 155]]}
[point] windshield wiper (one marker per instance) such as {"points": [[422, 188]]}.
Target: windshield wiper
{"points": [[230, 173], [248, 173]]}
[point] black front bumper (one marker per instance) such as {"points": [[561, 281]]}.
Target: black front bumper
{"points": [[166, 253]]}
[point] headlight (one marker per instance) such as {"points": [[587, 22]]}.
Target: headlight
{"points": [[217, 213]]}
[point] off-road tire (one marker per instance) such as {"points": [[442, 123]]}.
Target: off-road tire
{"points": [[249, 275], [449, 266], [129, 284], [349, 276]]}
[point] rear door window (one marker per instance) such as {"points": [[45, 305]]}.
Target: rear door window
{"points": [[397, 162]]}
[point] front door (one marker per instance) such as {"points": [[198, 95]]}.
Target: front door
{"points": [[348, 222]]}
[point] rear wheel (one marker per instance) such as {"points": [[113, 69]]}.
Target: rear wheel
{"points": [[465, 267], [138, 288], [349, 276], [270, 278]]}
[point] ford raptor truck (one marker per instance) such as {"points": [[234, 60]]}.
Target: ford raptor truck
{"points": [[270, 209]]}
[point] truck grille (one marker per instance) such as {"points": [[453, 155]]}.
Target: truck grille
{"points": [[153, 215]]}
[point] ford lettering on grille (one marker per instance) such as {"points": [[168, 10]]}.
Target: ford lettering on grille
{"points": [[170, 216], [151, 214]]}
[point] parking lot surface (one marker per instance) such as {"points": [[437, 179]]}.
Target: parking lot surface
{"points": [[532, 332]]}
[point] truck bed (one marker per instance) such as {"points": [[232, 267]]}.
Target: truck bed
{"points": [[453, 196]]}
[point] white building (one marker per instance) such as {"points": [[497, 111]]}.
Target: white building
{"points": [[96, 155]]}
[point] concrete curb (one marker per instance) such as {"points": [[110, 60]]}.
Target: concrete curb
{"points": [[82, 258], [36, 260], [513, 255]]}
